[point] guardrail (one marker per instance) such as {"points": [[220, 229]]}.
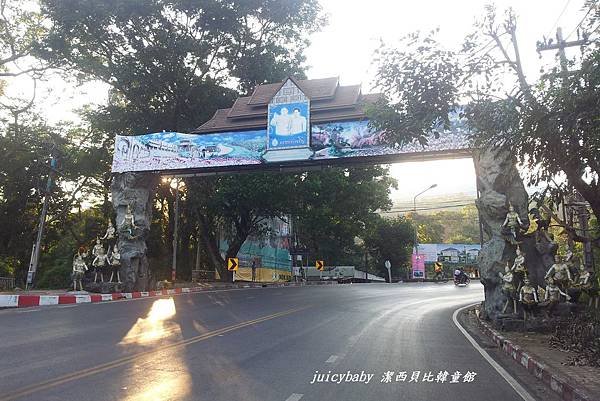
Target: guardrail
{"points": [[7, 283]]}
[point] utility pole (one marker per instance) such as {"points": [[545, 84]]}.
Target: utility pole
{"points": [[35, 251], [580, 207], [561, 45]]}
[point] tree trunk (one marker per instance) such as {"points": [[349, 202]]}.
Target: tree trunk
{"points": [[211, 245]]}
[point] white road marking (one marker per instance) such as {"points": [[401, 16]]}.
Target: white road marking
{"points": [[331, 359], [17, 310], [509, 379], [29, 310], [294, 397]]}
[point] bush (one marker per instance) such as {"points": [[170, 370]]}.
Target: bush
{"points": [[57, 276], [8, 266]]}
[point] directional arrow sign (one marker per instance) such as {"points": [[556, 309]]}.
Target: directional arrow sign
{"points": [[232, 264], [320, 265]]}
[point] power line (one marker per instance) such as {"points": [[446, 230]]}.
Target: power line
{"points": [[580, 22], [426, 208], [558, 18]]}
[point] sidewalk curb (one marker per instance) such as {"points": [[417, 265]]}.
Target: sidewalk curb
{"points": [[555, 382], [27, 301]]}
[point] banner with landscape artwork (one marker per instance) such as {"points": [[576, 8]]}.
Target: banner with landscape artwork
{"points": [[328, 141]]}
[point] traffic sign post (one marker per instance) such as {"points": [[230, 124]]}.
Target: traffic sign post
{"points": [[388, 266], [232, 266]]}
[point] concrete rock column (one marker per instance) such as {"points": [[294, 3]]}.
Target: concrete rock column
{"points": [[136, 190], [499, 183]]}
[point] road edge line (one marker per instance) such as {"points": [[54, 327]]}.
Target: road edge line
{"points": [[519, 389]]}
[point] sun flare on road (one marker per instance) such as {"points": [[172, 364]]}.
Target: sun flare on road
{"points": [[146, 380], [155, 325]]}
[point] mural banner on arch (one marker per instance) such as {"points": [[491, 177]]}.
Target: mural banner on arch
{"points": [[328, 141]]}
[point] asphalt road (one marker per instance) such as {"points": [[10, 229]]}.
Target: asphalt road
{"points": [[252, 344]]}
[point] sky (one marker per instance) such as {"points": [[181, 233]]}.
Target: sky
{"points": [[345, 47]]}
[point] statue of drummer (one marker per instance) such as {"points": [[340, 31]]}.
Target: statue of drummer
{"points": [[79, 269]]}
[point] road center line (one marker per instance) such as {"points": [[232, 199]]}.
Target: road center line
{"points": [[130, 358], [505, 375], [294, 397]]}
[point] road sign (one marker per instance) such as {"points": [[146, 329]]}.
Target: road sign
{"points": [[232, 264], [320, 265], [387, 264]]}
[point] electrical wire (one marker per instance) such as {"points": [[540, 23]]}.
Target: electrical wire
{"points": [[426, 208], [580, 22], [559, 17]]}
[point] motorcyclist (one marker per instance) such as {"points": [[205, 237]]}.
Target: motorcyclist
{"points": [[460, 276], [438, 270]]}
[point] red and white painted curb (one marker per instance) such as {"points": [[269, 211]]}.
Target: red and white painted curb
{"points": [[25, 301], [558, 384]]}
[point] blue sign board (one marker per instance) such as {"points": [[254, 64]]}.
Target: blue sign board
{"points": [[288, 126]]}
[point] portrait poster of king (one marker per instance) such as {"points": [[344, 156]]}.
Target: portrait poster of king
{"points": [[288, 126]]}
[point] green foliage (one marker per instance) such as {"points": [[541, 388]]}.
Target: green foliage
{"points": [[8, 266], [170, 63], [57, 276], [390, 239], [333, 207], [417, 80], [448, 226]]}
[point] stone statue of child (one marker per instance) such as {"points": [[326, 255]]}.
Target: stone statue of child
{"points": [[583, 278], [560, 273], [519, 268], [513, 223], [528, 298], [99, 263], [128, 226], [508, 288], [97, 247], [115, 264], [79, 269], [110, 232], [552, 295]]}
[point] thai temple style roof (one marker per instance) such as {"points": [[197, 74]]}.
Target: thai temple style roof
{"points": [[328, 102]]}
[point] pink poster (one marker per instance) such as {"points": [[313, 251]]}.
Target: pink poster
{"points": [[418, 265]]}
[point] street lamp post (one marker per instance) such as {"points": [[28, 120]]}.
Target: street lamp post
{"points": [[414, 214], [175, 229]]}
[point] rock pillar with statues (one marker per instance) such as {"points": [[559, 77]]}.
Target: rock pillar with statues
{"points": [[132, 197]]}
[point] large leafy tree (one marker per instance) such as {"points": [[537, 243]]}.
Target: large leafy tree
{"points": [[550, 124], [336, 206], [170, 62], [390, 239], [170, 65]]}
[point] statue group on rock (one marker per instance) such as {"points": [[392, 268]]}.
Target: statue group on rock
{"points": [[565, 280], [105, 255]]}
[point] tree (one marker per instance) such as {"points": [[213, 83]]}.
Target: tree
{"points": [[333, 207], [391, 239], [237, 206], [550, 126], [170, 65]]}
